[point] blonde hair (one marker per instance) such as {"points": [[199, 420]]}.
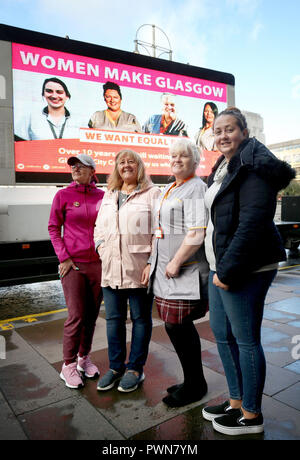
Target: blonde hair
{"points": [[115, 181]]}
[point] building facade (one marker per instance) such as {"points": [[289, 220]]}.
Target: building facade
{"points": [[255, 124], [288, 151]]}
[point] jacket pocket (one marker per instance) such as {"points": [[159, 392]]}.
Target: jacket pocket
{"points": [[136, 248]]}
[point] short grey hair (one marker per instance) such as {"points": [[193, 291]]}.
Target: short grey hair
{"points": [[187, 146]]}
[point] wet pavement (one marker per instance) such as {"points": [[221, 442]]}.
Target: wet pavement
{"points": [[36, 405], [25, 299]]}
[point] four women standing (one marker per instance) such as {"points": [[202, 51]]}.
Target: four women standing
{"points": [[243, 249]]}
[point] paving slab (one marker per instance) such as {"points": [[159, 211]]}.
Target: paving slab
{"points": [[211, 359], [281, 421], [278, 292], [10, 428], [72, 418], [26, 379], [274, 315], [189, 426], [36, 404], [45, 338], [204, 330], [278, 379], [291, 305], [290, 396], [287, 280], [294, 324], [277, 346], [294, 367], [285, 288], [144, 405]]}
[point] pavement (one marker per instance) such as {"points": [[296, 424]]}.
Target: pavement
{"points": [[35, 404]]}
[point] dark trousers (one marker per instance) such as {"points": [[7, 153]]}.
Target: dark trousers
{"points": [[83, 294]]}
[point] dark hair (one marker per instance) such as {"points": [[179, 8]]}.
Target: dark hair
{"points": [[111, 85], [237, 114], [213, 107], [56, 80]]}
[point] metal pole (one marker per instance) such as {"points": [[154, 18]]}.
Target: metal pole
{"points": [[148, 46], [153, 40]]}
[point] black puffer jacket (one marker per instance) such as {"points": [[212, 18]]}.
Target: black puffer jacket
{"points": [[245, 237]]}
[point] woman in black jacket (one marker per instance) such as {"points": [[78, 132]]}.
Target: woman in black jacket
{"points": [[243, 248]]}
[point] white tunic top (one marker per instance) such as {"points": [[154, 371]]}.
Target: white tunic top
{"points": [[181, 211]]}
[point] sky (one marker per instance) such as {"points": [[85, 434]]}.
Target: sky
{"points": [[257, 41]]}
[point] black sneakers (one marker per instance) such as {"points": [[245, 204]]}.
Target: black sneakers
{"points": [[233, 425], [231, 421], [211, 412]]}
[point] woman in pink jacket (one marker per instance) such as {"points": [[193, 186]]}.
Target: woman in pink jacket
{"points": [[123, 237], [75, 209]]}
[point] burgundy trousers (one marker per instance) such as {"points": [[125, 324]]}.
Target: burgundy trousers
{"points": [[83, 295]]}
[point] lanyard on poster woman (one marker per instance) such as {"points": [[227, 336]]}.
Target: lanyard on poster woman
{"points": [[158, 230], [61, 131]]}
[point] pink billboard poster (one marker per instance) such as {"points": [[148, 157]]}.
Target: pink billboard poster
{"points": [[43, 61]]}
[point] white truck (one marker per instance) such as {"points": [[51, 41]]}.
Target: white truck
{"points": [[33, 161]]}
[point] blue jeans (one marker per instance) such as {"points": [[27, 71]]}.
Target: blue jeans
{"points": [[235, 318], [140, 302]]}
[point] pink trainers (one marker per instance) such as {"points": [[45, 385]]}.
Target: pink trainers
{"points": [[71, 376], [85, 365]]}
